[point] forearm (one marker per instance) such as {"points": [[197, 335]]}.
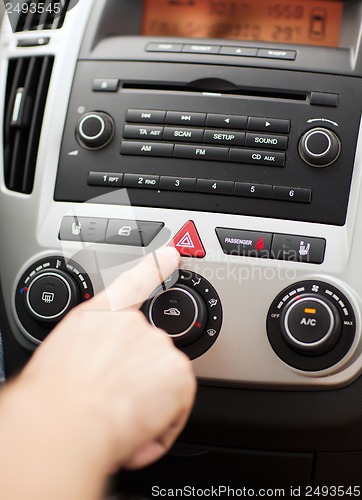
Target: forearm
{"points": [[105, 390], [48, 451]]}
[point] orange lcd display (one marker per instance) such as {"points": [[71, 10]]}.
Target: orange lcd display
{"points": [[311, 22]]}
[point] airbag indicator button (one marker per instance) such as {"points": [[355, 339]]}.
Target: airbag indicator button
{"points": [[244, 243]]}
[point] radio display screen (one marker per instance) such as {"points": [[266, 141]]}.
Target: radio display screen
{"points": [[310, 22]]}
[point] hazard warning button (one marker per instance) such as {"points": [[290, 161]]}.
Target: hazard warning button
{"points": [[187, 241]]}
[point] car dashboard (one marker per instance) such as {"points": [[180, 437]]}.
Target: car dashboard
{"points": [[230, 130]]}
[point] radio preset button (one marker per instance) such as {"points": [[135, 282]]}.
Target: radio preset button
{"points": [[201, 153], [146, 149], [266, 141], [141, 181], [183, 134], [227, 121], [269, 125], [185, 118], [298, 195], [105, 179], [253, 190], [145, 116], [177, 183], [257, 157], [223, 137], [215, 187]]}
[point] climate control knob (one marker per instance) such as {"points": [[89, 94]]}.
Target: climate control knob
{"points": [[319, 147], [181, 312], [95, 130], [311, 325], [188, 308], [50, 295], [46, 292]]}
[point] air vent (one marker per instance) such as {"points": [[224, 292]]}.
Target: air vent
{"points": [[26, 93], [40, 15]]}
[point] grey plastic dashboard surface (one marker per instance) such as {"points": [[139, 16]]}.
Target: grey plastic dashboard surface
{"points": [[242, 354]]}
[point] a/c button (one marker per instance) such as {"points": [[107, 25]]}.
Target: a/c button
{"points": [[308, 321]]}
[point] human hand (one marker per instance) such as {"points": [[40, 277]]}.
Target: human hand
{"points": [[118, 379]]}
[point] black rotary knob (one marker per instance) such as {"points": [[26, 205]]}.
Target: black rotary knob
{"points": [[95, 130], [319, 147], [50, 295], [46, 292], [311, 325], [181, 312]]}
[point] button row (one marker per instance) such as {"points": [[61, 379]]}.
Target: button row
{"points": [[286, 55], [206, 136], [272, 246], [113, 231], [201, 152], [216, 120], [233, 241], [191, 184]]}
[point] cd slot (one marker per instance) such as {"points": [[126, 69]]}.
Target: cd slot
{"points": [[213, 89]]}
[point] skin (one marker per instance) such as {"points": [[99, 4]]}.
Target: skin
{"points": [[106, 390]]}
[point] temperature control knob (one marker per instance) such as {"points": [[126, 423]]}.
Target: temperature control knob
{"points": [[188, 308], [319, 147], [95, 130]]}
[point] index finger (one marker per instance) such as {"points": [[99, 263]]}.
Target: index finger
{"points": [[135, 285]]}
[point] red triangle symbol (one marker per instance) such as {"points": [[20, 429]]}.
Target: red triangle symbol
{"points": [[187, 241]]}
